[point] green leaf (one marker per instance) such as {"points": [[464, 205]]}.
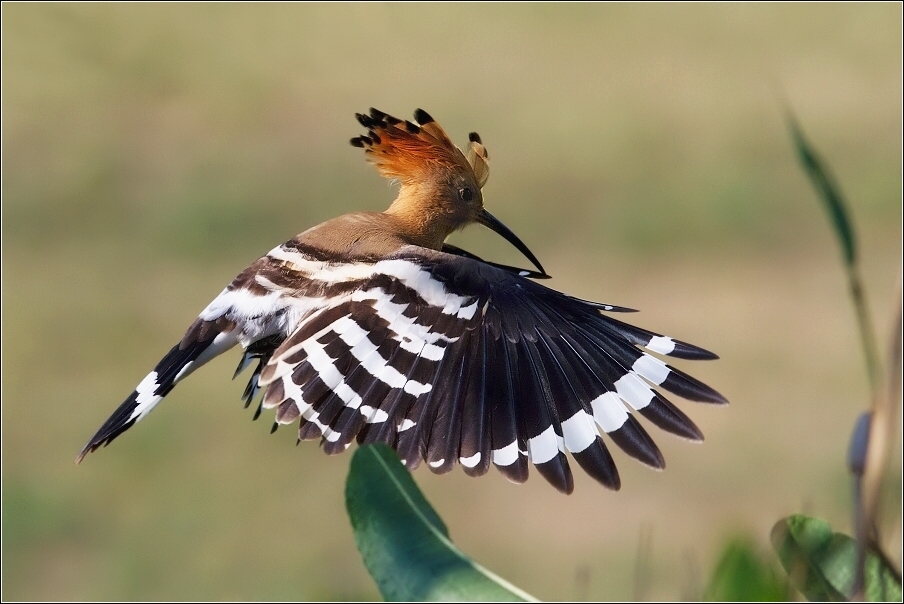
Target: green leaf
{"points": [[834, 202], [743, 574], [822, 563], [404, 543], [826, 188]]}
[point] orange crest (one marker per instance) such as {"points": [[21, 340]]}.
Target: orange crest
{"points": [[412, 151]]}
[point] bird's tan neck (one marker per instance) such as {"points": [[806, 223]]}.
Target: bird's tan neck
{"points": [[420, 216], [374, 234]]}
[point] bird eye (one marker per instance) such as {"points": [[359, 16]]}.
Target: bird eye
{"points": [[466, 194]]}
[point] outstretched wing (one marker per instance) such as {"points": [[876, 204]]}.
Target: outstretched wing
{"points": [[258, 310], [451, 360]]}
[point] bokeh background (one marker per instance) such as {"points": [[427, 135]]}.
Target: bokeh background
{"points": [[151, 152]]}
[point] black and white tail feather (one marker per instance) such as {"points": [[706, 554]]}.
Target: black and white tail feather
{"points": [[444, 357]]}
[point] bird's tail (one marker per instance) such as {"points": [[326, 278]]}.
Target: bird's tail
{"points": [[178, 363]]}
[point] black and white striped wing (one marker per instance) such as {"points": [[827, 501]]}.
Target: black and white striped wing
{"points": [[251, 311], [451, 360]]}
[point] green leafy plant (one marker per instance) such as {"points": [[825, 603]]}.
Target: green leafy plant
{"points": [[822, 564], [403, 541], [745, 574]]}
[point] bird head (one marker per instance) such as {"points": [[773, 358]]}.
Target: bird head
{"points": [[440, 187]]}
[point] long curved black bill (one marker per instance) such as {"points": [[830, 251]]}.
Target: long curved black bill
{"points": [[490, 221]]}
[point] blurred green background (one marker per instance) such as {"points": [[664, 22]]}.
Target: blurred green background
{"points": [[151, 152]]}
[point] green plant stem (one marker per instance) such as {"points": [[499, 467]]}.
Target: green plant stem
{"points": [[831, 196], [867, 335]]}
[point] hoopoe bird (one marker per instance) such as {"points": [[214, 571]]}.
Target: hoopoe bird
{"points": [[370, 327]]}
